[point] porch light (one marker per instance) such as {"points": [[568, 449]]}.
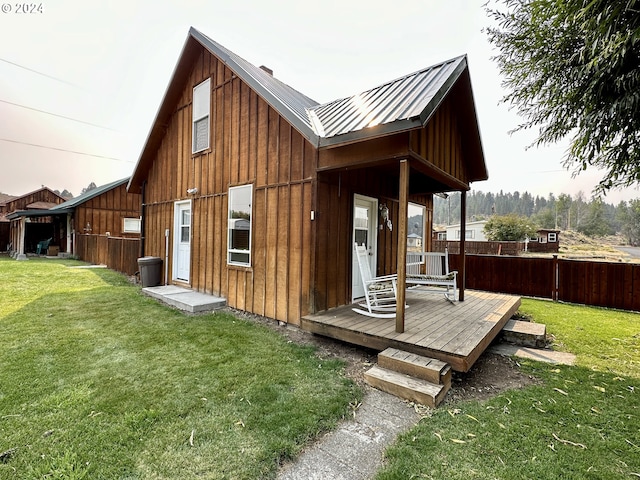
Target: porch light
{"points": [[384, 213]]}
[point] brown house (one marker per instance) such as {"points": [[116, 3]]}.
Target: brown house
{"points": [[102, 214], [548, 241], [263, 191], [4, 221], [26, 231], [97, 226]]}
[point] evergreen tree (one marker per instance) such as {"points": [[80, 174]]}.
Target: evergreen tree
{"points": [[572, 68]]}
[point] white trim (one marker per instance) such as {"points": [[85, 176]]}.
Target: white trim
{"points": [[176, 239], [201, 110], [131, 224], [372, 237], [229, 229]]}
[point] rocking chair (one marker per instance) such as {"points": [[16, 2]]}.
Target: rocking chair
{"points": [[379, 292]]}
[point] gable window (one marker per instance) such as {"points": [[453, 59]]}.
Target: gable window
{"points": [[201, 114], [239, 242]]}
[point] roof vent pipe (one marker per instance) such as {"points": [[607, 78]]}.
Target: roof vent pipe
{"points": [[267, 69]]}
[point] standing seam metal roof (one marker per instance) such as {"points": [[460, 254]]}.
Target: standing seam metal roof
{"points": [[399, 105], [403, 99]]}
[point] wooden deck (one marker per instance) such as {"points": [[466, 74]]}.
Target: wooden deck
{"points": [[454, 333]]}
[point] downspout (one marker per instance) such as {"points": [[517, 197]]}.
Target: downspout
{"points": [[142, 217]]}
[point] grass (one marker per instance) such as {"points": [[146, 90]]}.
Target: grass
{"points": [[99, 382], [580, 422], [602, 339]]}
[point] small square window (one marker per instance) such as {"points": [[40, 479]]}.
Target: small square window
{"points": [[131, 225]]}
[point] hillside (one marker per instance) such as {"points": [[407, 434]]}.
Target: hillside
{"points": [[575, 245]]}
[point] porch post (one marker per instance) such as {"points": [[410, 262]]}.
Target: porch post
{"points": [[22, 230], [402, 243], [70, 245], [463, 236]]}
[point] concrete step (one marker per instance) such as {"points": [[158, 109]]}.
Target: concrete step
{"points": [[429, 369], [185, 299], [525, 334], [405, 386]]}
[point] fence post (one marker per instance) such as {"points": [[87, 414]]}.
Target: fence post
{"points": [[556, 279]]}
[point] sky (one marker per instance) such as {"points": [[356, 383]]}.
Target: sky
{"points": [[81, 81]]}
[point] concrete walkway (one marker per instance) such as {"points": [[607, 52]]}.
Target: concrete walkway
{"points": [[538, 354], [185, 299], [354, 450]]}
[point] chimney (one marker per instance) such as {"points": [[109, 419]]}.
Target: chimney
{"points": [[267, 69]]}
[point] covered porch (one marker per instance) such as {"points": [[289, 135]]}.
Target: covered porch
{"points": [[455, 333]]}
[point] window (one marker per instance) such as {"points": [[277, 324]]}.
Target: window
{"points": [[442, 235], [552, 237], [468, 234], [201, 107], [239, 243], [131, 225]]}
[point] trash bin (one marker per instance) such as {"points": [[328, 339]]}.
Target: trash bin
{"points": [[150, 271]]}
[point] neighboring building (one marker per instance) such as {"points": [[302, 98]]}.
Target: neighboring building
{"points": [[474, 232], [414, 241], [547, 241], [231, 142], [4, 222], [26, 231], [105, 211], [83, 225]]}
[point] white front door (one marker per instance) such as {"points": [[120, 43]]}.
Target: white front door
{"points": [[365, 211], [182, 241]]}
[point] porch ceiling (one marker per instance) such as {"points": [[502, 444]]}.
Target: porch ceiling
{"points": [[424, 178]]}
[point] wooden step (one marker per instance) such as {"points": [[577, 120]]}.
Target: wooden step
{"points": [[525, 334], [405, 386], [429, 369]]}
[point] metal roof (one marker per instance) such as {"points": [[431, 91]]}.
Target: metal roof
{"points": [[74, 202], [401, 104], [289, 102], [405, 103], [38, 213]]}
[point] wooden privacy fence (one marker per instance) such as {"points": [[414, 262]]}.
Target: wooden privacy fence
{"points": [[117, 253], [603, 284], [479, 248]]}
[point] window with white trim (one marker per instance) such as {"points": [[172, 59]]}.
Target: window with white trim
{"points": [[131, 225], [201, 114], [239, 241], [552, 237]]}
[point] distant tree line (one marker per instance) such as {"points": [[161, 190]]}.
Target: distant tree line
{"points": [[593, 216]]}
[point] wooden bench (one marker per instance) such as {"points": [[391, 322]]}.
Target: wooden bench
{"points": [[431, 269]]}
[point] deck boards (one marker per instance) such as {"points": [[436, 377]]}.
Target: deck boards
{"points": [[454, 333]]}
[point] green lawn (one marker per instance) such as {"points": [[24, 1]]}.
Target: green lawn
{"points": [[582, 422], [100, 382]]}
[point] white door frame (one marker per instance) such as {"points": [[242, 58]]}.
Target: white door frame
{"points": [[177, 244], [369, 204]]}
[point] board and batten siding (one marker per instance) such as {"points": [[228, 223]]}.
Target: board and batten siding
{"points": [[250, 143], [334, 218], [106, 212], [440, 141]]}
